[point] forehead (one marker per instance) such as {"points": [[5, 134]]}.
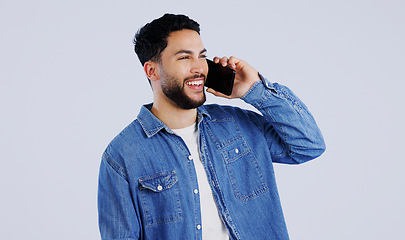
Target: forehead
{"points": [[184, 40]]}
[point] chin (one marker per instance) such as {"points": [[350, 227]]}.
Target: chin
{"points": [[192, 103]]}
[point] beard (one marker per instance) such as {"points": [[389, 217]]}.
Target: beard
{"points": [[175, 92]]}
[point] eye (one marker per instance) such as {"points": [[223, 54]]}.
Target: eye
{"points": [[203, 56], [184, 57]]}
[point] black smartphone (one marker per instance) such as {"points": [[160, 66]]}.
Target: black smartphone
{"points": [[220, 78]]}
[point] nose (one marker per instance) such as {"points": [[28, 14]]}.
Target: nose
{"points": [[198, 66]]}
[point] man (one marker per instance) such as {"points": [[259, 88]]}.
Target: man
{"points": [[184, 170]]}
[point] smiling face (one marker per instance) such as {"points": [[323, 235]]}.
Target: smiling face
{"points": [[183, 68]]}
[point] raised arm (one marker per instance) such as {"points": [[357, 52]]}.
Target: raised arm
{"points": [[291, 131]]}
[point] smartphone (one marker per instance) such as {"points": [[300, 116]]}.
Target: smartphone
{"points": [[220, 78]]}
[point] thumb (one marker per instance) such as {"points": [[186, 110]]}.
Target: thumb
{"points": [[217, 94]]}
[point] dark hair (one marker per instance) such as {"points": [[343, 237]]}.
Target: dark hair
{"points": [[151, 39]]}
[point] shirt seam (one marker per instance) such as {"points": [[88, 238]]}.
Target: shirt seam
{"points": [[115, 166]]}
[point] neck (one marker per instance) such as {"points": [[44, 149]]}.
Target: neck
{"points": [[173, 116]]}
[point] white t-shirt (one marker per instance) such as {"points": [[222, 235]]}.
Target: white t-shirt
{"points": [[212, 225]]}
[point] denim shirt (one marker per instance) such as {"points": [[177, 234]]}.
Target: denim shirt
{"points": [[147, 179]]}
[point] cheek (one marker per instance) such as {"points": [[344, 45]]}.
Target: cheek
{"points": [[175, 71], [180, 69], [205, 68]]}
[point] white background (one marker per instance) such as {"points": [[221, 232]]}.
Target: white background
{"points": [[70, 81]]}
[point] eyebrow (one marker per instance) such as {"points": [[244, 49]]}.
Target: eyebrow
{"points": [[189, 52]]}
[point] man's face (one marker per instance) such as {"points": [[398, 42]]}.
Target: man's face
{"points": [[183, 69]]}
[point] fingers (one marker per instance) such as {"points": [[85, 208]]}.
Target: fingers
{"points": [[224, 61], [232, 62], [217, 59]]}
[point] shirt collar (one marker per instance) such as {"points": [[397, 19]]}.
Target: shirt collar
{"points": [[152, 125]]}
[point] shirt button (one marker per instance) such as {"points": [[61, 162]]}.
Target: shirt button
{"points": [[237, 151], [195, 191], [159, 188], [190, 157], [198, 226]]}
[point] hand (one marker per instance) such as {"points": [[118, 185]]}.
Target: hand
{"points": [[246, 76]]}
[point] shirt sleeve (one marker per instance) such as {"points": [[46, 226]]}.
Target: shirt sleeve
{"points": [[117, 216], [290, 129]]}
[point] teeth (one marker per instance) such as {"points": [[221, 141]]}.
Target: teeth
{"points": [[194, 83]]}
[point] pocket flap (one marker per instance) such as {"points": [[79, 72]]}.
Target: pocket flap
{"points": [[236, 152], [158, 182]]}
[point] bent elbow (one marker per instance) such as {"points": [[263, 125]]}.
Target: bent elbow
{"points": [[315, 150]]}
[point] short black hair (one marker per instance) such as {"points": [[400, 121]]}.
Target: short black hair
{"points": [[151, 39]]}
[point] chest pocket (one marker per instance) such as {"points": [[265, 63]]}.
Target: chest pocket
{"points": [[243, 169], [244, 172], [160, 198]]}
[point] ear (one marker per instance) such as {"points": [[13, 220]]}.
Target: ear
{"points": [[151, 70]]}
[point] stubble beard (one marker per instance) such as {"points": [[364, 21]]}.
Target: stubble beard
{"points": [[176, 93]]}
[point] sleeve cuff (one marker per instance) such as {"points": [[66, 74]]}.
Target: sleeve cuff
{"points": [[259, 92]]}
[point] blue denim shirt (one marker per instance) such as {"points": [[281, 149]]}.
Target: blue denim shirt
{"points": [[147, 176]]}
